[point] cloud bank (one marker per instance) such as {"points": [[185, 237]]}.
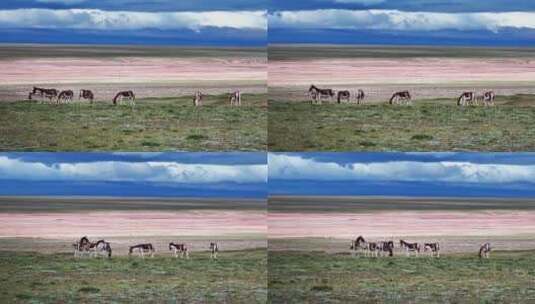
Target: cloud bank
{"points": [[399, 20], [124, 20], [119, 171], [290, 167]]}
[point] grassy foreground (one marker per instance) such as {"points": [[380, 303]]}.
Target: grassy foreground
{"points": [[428, 125], [315, 277], [155, 124], [236, 277]]}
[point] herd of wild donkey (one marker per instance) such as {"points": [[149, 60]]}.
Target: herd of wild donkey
{"points": [[84, 247], [317, 95], [66, 96], [383, 248]]}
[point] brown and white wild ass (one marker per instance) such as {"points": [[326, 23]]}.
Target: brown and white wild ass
{"points": [[214, 249], [318, 94], [466, 98], [43, 93], [360, 96], [484, 251], [410, 247], [65, 96], [385, 247], [86, 94], [197, 98], [400, 98], [488, 98], [343, 95], [142, 249], [433, 248], [368, 248], [125, 95], [235, 98], [85, 246], [180, 248]]}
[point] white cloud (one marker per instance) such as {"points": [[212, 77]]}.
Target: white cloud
{"points": [[363, 2], [295, 167], [124, 20], [169, 172], [400, 20], [67, 2]]}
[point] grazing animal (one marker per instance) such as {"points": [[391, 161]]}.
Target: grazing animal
{"points": [[125, 95], [41, 92], [197, 99], [235, 98], [214, 249], [82, 246], [318, 94], [142, 249], [484, 251], [466, 98], [479, 100], [400, 98], [410, 247], [385, 247], [86, 94], [369, 248], [101, 247], [181, 249], [360, 96], [344, 95], [65, 96], [433, 248], [488, 98]]}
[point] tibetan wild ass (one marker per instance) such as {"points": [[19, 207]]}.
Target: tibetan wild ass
{"points": [[197, 99], [214, 249], [180, 248], [369, 248], [343, 95], [488, 98], [410, 247], [484, 251], [360, 96], [65, 96], [400, 98], [235, 98], [86, 94], [433, 248], [125, 95], [318, 94], [43, 93], [466, 98], [142, 249], [385, 248]]}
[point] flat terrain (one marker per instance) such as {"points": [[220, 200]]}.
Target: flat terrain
{"points": [[236, 277], [318, 277], [427, 125], [154, 124]]}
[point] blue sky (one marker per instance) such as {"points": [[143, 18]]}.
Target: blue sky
{"points": [[157, 22], [403, 174], [405, 22], [235, 175]]}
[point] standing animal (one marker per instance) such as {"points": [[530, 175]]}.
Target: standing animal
{"points": [[214, 249], [484, 251], [319, 94], [101, 247], [142, 249], [125, 95], [400, 98], [65, 96], [86, 94], [369, 248], [360, 96], [479, 100], [181, 249], [410, 247], [197, 99], [344, 95], [488, 98], [433, 248], [235, 98], [385, 247], [466, 98]]}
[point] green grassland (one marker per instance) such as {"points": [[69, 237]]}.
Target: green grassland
{"points": [[236, 277], [154, 124], [317, 277], [427, 125]]}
